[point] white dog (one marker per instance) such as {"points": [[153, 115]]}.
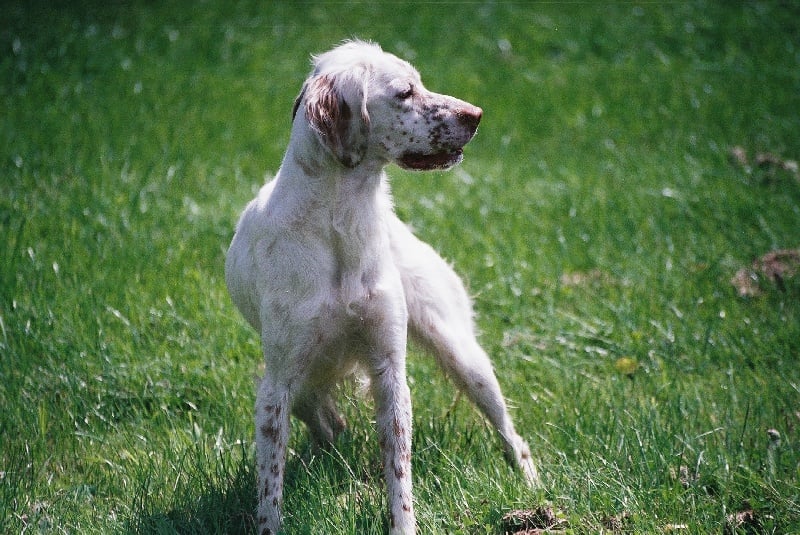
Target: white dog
{"points": [[332, 280]]}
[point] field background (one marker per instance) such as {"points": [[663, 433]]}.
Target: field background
{"points": [[598, 219]]}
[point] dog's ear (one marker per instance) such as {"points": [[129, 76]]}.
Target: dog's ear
{"points": [[328, 112]]}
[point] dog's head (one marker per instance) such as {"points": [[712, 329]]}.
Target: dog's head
{"points": [[334, 101], [366, 104]]}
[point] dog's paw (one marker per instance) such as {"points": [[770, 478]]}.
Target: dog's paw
{"points": [[521, 458], [529, 471]]}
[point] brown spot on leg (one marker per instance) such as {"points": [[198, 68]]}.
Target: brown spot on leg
{"points": [[270, 431], [398, 429]]}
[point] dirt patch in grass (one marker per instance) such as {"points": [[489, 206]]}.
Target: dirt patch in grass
{"points": [[543, 519]]}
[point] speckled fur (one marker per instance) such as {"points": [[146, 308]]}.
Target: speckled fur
{"points": [[332, 280]]}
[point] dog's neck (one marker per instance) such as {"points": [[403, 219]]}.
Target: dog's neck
{"points": [[314, 168], [346, 206]]}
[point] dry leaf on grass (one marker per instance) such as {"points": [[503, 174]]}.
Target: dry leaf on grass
{"points": [[767, 162], [774, 267], [746, 521], [617, 523], [584, 278], [739, 156], [771, 162]]}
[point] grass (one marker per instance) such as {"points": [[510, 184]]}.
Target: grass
{"points": [[597, 219]]}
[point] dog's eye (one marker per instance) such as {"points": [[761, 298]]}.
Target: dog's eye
{"points": [[408, 93]]}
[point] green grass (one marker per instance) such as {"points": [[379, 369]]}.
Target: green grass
{"points": [[597, 217]]}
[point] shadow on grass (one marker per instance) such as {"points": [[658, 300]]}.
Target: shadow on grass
{"points": [[216, 497], [225, 505]]}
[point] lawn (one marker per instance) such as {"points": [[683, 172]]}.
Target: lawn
{"points": [[633, 157]]}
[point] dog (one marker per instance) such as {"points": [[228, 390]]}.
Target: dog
{"points": [[334, 282]]}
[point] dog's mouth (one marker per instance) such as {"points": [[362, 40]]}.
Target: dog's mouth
{"points": [[417, 161]]}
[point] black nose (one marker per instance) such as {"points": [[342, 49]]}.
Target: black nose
{"points": [[470, 116]]}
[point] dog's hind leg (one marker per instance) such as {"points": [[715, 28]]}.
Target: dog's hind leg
{"points": [[317, 409], [440, 319], [466, 363]]}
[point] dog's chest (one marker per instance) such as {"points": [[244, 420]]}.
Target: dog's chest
{"points": [[354, 321], [365, 294], [359, 293], [327, 267]]}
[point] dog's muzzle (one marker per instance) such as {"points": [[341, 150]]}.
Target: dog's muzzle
{"points": [[450, 153]]}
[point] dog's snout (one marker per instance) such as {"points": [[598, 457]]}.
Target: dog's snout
{"points": [[469, 116]]}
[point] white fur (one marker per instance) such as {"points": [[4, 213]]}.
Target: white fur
{"points": [[324, 270]]}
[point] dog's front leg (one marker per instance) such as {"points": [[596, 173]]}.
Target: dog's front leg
{"points": [[272, 434], [393, 406]]}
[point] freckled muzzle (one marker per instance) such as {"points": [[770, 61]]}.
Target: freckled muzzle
{"points": [[447, 141]]}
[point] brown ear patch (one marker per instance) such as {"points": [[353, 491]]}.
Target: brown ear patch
{"points": [[323, 109], [332, 118]]}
